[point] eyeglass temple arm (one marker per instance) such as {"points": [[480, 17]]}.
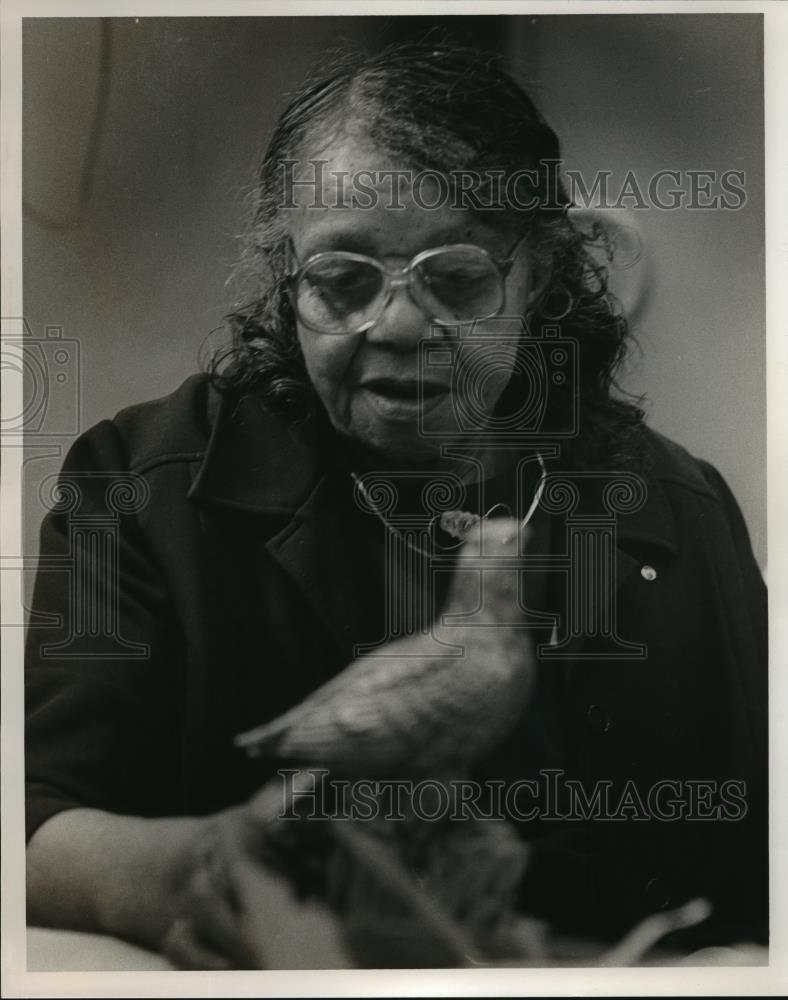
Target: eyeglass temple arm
{"points": [[508, 260]]}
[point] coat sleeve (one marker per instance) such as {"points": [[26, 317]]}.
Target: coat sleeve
{"points": [[749, 605], [101, 670]]}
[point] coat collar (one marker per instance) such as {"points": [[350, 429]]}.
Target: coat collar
{"points": [[257, 463], [253, 461]]}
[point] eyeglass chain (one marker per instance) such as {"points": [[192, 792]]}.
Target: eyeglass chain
{"points": [[535, 501]]}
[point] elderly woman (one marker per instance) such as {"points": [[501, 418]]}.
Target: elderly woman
{"points": [[427, 310]]}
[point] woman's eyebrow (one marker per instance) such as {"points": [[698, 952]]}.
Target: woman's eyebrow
{"points": [[339, 238], [355, 241]]}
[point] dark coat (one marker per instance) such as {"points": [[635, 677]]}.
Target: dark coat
{"points": [[245, 581]]}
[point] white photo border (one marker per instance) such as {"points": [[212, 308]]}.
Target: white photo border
{"points": [[771, 980]]}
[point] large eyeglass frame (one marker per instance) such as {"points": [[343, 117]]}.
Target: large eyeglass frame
{"points": [[396, 277]]}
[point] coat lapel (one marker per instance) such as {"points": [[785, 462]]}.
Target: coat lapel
{"points": [[257, 464]]}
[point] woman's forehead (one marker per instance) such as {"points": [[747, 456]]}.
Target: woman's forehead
{"points": [[389, 232], [354, 195]]}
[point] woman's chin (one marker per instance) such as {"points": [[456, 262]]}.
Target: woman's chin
{"points": [[415, 443], [398, 450], [396, 440]]}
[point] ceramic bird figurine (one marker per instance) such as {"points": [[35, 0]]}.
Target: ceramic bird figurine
{"points": [[415, 892], [411, 712]]}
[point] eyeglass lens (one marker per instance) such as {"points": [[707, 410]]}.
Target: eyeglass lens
{"points": [[341, 294]]}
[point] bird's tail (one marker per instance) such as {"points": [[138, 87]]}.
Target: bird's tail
{"points": [[263, 739]]}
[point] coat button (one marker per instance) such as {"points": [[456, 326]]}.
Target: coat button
{"points": [[657, 894], [598, 719], [648, 573]]}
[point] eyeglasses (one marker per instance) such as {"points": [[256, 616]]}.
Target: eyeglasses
{"points": [[344, 293]]}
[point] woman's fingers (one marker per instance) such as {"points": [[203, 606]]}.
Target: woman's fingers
{"points": [[216, 914], [286, 933], [185, 950], [235, 912], [207, 933]]}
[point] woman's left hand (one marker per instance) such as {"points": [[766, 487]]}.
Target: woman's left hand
{"points": [[230, 911]]}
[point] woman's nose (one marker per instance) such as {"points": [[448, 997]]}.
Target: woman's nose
{"points": [[402, 324]]}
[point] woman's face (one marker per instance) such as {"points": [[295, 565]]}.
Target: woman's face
{"points": [[368, 381]]}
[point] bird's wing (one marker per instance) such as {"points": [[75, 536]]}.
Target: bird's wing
{"points": [[353, 693], [377, 716], [378, 708], [416, 714]]}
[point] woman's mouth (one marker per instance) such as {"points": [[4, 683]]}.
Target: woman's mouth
{"points": [[402, 399]]}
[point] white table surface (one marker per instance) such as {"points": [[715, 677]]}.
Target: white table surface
{"points": [[72, 951]]}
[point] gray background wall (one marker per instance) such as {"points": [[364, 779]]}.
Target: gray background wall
{"points": [[138, 273]]}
